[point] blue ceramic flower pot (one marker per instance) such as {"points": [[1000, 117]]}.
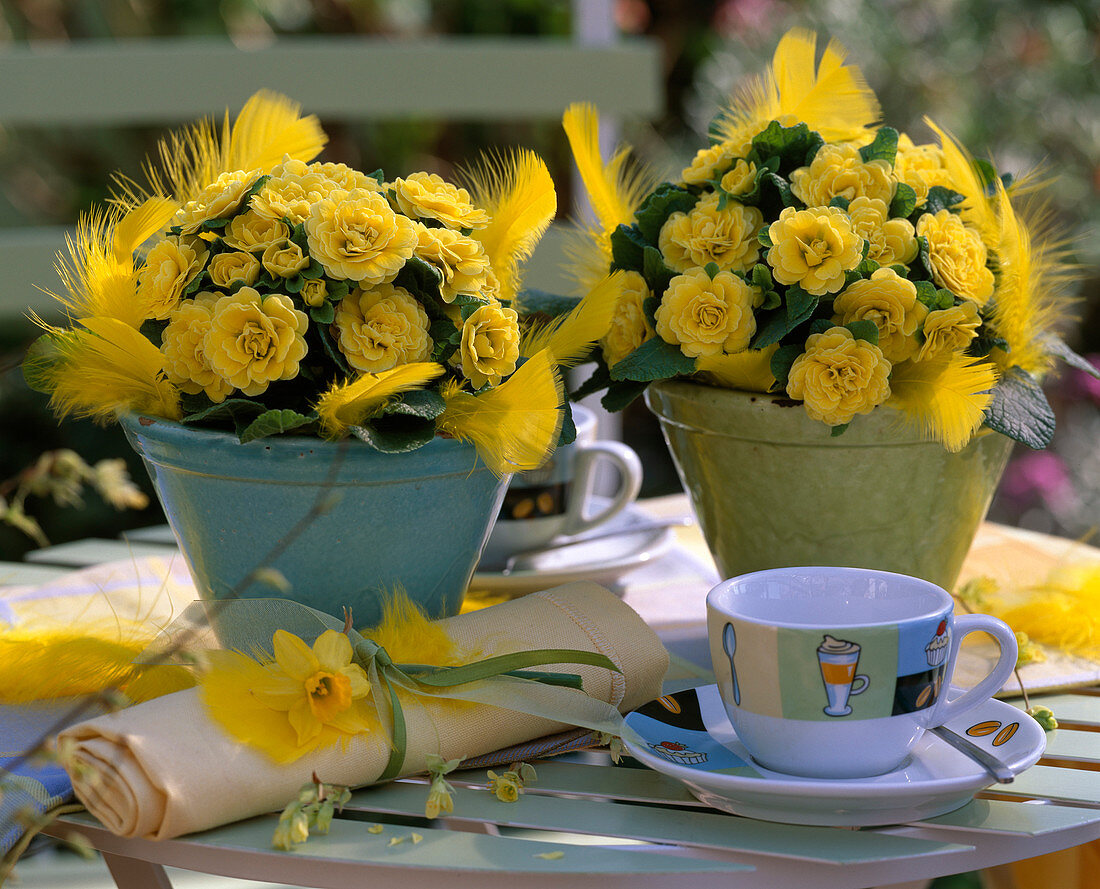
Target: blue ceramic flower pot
{"points": [[418, 520]]}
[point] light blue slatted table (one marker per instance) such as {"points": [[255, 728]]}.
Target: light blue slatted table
{"points": [[616, 826]]}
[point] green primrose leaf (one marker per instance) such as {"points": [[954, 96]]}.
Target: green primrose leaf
{"points": [[711, 268], [396, 434], [820, 325], [378, 176], [904, 202], [600, 379], [422, 403], [665, 200], [653, 360], [239, 410], [621, 393], [323, 314], [764, 237], [274, 422], [1020, 410], [781, 362], [840, 202], [656, 273], [541, 302], [836, 431], [884, 148], [293, 285], [627, 248], [864, 330], [940, 198], [41, 358], [798, 307]]}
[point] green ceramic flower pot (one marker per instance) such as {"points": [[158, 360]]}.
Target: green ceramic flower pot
{"points": [[773, 489], [417, 520]]}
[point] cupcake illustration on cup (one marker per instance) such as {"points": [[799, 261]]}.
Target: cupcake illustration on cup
{"points": [[936, 650], [838, 660], [679, 753]]}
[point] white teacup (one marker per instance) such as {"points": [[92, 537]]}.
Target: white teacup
{"points": [[557, 500], [837, 672]]}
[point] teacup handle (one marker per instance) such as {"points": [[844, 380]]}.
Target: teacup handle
{"points": [[630, 483], [991, 684]]}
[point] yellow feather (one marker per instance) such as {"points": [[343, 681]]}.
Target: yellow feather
{"points": [[834, 99], [1063, 612], [139, 224], [107, 368], [268, 127], [570, 337], [409, 637], [518, 194], [977, 210], [615, 189], [515, 425], [588, 257], [351, 403], [945, 398], [749, 371]]}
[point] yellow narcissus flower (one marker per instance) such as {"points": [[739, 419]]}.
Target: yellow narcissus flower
{"points": [[381, 328], [706, 234], [712, 161], [920, 167], [888, 240], [313, 292], [949, 330], [430, 196], [740, 178], [813, 248], [255, 233], [704, 316], [489, 348], [837, 170], [183, 343], [839, 376], [629, 326], [218, 200], [461, 261], [284, 259], [256, 340], [170, 266], [957, 256], [890, 302], [356, 236], [227, 269]]}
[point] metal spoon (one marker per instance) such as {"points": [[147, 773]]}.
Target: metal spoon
{"points": [[1000, 772], [729, 643]]}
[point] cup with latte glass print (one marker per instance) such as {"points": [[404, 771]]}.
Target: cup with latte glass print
{"points": [[837, 672], [557, 500]]}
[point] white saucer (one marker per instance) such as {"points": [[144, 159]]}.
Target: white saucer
{"points": [[599, 560], [688, 736]]}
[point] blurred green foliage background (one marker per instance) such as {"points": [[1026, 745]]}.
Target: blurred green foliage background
{"points": [[1015, 80]]}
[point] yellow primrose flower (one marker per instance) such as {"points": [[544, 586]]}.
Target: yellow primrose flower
{"points": [[706, 317], [169, 267], [957, 256], [219, 200], [183, 343], [839, 376], [888, 240], [740, 179], [629, 326], [920, 167], [355, 235], [949, 330], [382, 328], [430, 196], [837, 170], [813, 248], [295, 186], [709, 162], [489, 348], [313, 292], [284, 259], [461, 260], [706, 234], [255, 340], [252, 232], [506, 787], [227, 269], [890, 302]]}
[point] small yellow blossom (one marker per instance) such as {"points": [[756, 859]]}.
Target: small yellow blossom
{"points": [[429, 196], [629, 325], [356, 236], [957, 256], [740, 178], [183, 343], [920, 167], [170, 266], [460, 260], [251, 232], [838, 377], [489, 347], [294, 186], [837, 170], [556, 855], [219, 200], [507, 787], [375, 829], [1027, 652], [813, 248], [237, 267], [888, 240], [975, 594], [313, 292], [112, 480], [726, 237], [1044, 716], [710, 162], [890, 302], [381, 328], [255, 340], [284, 259], [704, 316], [949, 330]]}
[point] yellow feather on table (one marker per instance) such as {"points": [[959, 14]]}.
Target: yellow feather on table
{"points": [[106, 368], [945, 397], [517, 192], [515, 425], [355, 401], [1062, 612], [570, 337], [832, 98]]}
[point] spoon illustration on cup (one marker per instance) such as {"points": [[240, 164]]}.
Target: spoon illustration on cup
{"points": [[729, 644]]}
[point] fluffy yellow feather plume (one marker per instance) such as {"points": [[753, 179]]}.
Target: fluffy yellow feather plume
{"points": [[749, 371], [570, 337], [1063, 611], [515, 425], [945, 398], [139, 224], [352, 402], [518, 194], [831, 97], [409, 637], [978, 210], [106, 368]]}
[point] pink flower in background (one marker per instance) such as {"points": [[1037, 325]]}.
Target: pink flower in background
{"points": [[1084, 386], [1038, 476]]}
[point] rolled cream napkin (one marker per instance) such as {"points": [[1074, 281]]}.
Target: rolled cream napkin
{"points": [[163, 768]]}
